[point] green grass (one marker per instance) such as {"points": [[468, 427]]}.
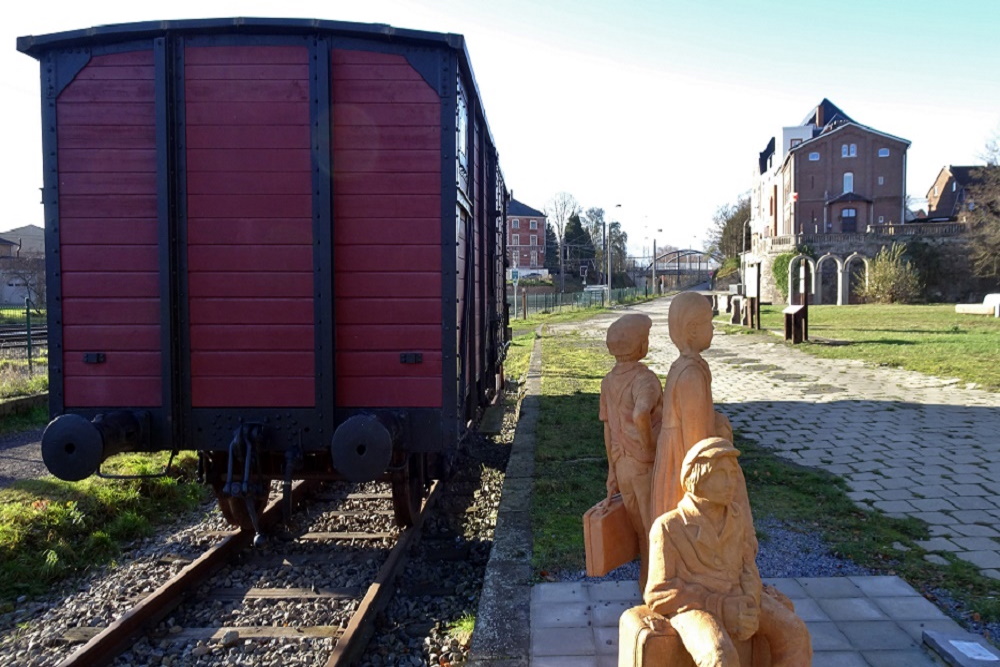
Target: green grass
{"points": [[930, 339], [571, 469], [518, 356], [50, 529], [35, 418], [570, 462]]}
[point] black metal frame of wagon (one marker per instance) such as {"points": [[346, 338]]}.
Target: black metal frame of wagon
{"points": [[282, 436]]}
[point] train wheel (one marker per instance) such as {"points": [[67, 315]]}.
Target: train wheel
{"points": [[235, 509], [408, 491]]}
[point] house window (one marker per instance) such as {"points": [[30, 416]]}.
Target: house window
{"points": [[881, 180], [954, 185], [515, 223], [532, 224], [515, 239], [849, 220], [795, 142], [534, 258], [814, 157], [848, 181], [883, 152], [534, 239], [849, 150], [881, 219]]}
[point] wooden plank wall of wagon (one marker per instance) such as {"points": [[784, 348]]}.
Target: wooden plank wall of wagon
{"points": [[106, 138], [387, 231], [250, 250]]}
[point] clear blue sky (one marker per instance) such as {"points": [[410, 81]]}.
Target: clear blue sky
{"points": [[660, 106]]}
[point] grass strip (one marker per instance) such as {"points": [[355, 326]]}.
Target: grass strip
{"points": [[929, 339], [51, 529]]}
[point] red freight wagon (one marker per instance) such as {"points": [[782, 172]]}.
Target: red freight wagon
{"points": [[278, 242]]}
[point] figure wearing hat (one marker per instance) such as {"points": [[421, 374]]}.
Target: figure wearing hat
{"points": [[703, 575], [631, 405]]}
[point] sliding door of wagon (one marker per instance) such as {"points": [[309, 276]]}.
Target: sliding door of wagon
{"points": [[249, 226]]}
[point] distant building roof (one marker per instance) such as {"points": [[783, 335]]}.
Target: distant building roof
{"points": [[826, 114], [30, 237], [517, 208], [4, 241]]}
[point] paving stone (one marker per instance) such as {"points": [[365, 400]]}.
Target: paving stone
{"points": [[933, 491], [975, 530], [992, 574], [626, 591], [883, 586], [607, 614], [896, 494], [934, 518], [895, 507], [837, 659], [983, 559], [826, 636], [829, 587], [969, 490], [938, 544], [936, 560], [851, 609], [876, 635], [563, 661], [788, 586], [559, 592], [606, 641], [905, 658], [973, 516], [561, 615], [910, 608], [916, 628], [976, 543], [973, 503], [932, 504], [962, 649], [563, 641]]}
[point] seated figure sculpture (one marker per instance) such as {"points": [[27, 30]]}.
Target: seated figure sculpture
{"points": [[703, 578]]}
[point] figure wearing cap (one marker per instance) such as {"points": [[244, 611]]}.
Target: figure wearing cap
{"points": [[688, 412], [631, 405], [703, 575]]}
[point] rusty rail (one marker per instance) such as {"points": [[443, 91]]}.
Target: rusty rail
{"points": [[117, 637], [353, 642]]}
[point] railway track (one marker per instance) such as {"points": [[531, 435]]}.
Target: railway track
{"points": [[18, 337], [188, 609]]}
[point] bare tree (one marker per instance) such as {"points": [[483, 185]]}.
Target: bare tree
{"points": [[982, 210], [593, 221], [28, 273], [727, 235], [559, 209]]}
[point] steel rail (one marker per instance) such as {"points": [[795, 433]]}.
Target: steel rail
{"points": [[120, 635], [352, 643]]}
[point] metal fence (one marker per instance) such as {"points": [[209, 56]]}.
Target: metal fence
{"points": [[23, 332], [528, 304]]}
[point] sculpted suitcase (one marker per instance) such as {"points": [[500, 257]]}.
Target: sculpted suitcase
{"points": [[609, 539], [646, 639]]}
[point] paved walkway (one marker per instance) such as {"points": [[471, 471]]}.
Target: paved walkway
{"points": [[853, 621]]}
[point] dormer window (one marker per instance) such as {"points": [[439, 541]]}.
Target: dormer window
{"points": [[883, 152], [814, 157]]}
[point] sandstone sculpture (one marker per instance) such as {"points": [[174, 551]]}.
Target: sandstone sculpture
{"points": [[704, 588], [631, 405]]}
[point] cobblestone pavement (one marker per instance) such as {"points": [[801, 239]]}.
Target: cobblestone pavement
{"points": [[907, 444]]}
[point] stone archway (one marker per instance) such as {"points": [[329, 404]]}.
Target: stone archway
{"points": [[846, 275], [819, 278], [792, 278]]}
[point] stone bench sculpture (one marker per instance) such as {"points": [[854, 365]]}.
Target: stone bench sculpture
{"points": [[989, 306]]}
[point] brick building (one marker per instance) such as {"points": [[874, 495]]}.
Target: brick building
{"points": [[829, 174], [525, 239]]}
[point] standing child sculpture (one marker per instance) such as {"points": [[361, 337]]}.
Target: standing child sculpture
{"points": [[688, 413], [631, 405]]}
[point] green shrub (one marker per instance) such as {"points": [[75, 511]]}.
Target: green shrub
{"points": [[891, 278]]}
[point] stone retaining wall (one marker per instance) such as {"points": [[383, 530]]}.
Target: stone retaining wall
{"points": [[22, 404]]}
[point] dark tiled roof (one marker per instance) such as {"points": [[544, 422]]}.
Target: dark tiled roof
{"points": [[517, 208], [765, 155], [967, 176], [4, 241], [826, 113], [848, 197]]}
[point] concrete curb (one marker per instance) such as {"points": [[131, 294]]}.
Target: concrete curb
{"points": [[22, 404], [502, 636]]}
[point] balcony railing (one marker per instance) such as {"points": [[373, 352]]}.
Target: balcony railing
{"points": [[790, 241]]}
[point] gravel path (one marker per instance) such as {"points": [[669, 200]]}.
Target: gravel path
{"points": [[21, 456]]}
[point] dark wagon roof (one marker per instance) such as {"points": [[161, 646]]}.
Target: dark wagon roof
{"points": [[38, 45]]}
